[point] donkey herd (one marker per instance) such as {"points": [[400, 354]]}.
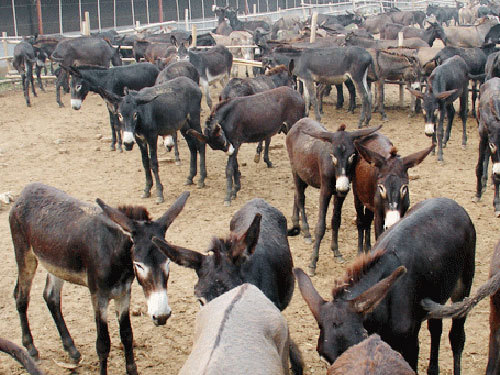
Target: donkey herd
{"points": [[423, 256]]}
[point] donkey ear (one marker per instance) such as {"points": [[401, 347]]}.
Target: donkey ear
{"points": [[108, 96], [180, 255], [117, 216], [309, 293], [445, 94], [370, 156], [144, 99], [173, 40], [364, 132], [416, 93], [217, 129], [291, 66], [200, 137], [418, 157], [171, 214], [246, 243], [368, 300]]}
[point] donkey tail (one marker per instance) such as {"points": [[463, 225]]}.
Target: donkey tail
{"points": [[462, 308], [20, 355], [296, 360]]}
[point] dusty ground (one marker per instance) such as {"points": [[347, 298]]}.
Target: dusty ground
{"points": [[60, 147]]}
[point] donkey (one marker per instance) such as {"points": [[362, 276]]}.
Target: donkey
{"points": [[83, 50], [447, 82], [212, 65], [436, 243], [256, 252], [230, 338], [24, 58], [252, 118], [237, 87], [323, 160], [161, 110], [238, 25], [97, 247], [488, 117], [20, 355], [381, 185], [333, 66], [115, 80]]}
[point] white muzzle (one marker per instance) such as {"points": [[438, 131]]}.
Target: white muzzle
{"points": [[128, 137], [76, 103], [496, 168], [169, 141], [391, 218], [429, 129], [342, 184], [158, 307]]}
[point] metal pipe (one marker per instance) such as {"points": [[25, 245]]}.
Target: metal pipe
{"points": [[99, 14], [147, 11], [133, 14], [14, 17], [114, 14], [60, 18], [160, 10], [80, 13], [177, 4]]}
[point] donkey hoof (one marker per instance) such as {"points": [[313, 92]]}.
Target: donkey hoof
{"points": [[146, 194], [201, 184], [444, 144], [497, 213], [28, 104], [269, 164], [177, 162], [188, 182], [311, 270], [159, 199], [256, 158], [112, 148], [227, 203], [61, 105], [120, 149], [308, 240], [339, 259], [476, 199], [33, 353], [464, 147], [131, 369]]}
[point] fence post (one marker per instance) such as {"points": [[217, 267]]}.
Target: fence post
{"points": [[6, 49], [194, 35], [86, 28], [186, 15], [400, 39], [314, 21], [254, 8]]}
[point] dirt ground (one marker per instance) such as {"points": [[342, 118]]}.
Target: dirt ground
{"points": [[69, 150]]}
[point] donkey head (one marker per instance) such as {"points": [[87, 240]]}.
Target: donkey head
{"points": [[343, 153], [151, 266], [431, 104], [221, 270], [340, 321], [489, 117], [392, 194]]}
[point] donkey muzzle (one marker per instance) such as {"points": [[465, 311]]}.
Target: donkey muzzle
{"points": [[76, 104], [496, 169]]}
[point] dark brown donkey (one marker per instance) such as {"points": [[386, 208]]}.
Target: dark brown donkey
{"points": [[436, 243], [323, 160], [80, 243], [380, 185]]}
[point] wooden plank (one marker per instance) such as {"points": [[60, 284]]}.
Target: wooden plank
{"points": [[238, 61]]}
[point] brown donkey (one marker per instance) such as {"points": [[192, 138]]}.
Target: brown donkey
{"points": [[324, 160], [80, 243], [380, 185]]}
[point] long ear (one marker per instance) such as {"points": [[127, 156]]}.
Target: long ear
{"points": [[323, 136], [171, 214], [200, 137], [364, 132], [412, 160], [368, 300], [309, 293], [445, 94], [72, 70], [108, 95], [246, 243], [291, 65], [173, 40], [370, 156], [180, 255], [144, 99], [416, 93], [117, 216]]}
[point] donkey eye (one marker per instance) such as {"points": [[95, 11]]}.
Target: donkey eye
{"points": [[351, 159], [120, 117], [139, 266], [201, 302], [78, 87], [135, 116], [334, 159], [404, 190], [493, 148], [383, 192]]}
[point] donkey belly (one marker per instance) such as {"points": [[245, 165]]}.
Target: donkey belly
{"points": [[78, 277], [332, 80]]}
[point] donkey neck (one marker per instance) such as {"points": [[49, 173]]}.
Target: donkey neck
{"points": [[97, 77]]}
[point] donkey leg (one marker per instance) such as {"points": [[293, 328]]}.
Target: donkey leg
{"points": [[352, 95], [301, 203], [360, 219], [58, 90], [463, 116], [319, 231], [439, 134], [496, 195], [450, 113], [113, 133], [153, 157], [474, 97], [236, 177], [457, 341], [176, 149], [38, 72], [336, 222], [266, 153], [206, 91], [52, 296], [258, 151], [486, 161], [118, 131], [32, 81], [147, 168], [100, 304], [229, 180], [26, 91], [122, 305], [340, 96], [26, 263], [435, 327]]}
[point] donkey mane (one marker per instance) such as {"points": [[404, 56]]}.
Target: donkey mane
{"points": [[361, 265], [217, 107], [135, 212], [276, 70]]}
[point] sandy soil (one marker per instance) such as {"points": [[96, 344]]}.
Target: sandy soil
{"points": [[62, 147]]}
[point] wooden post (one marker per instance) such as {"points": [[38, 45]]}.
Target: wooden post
{"points": [[6, 49], [400, 39], [160, 11], [186, 16], [14, 17], [39, 16], [314, 21], [254, 8], [194, 35], [61, 31], [87, 21], [99, 14], [137, 24]]}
